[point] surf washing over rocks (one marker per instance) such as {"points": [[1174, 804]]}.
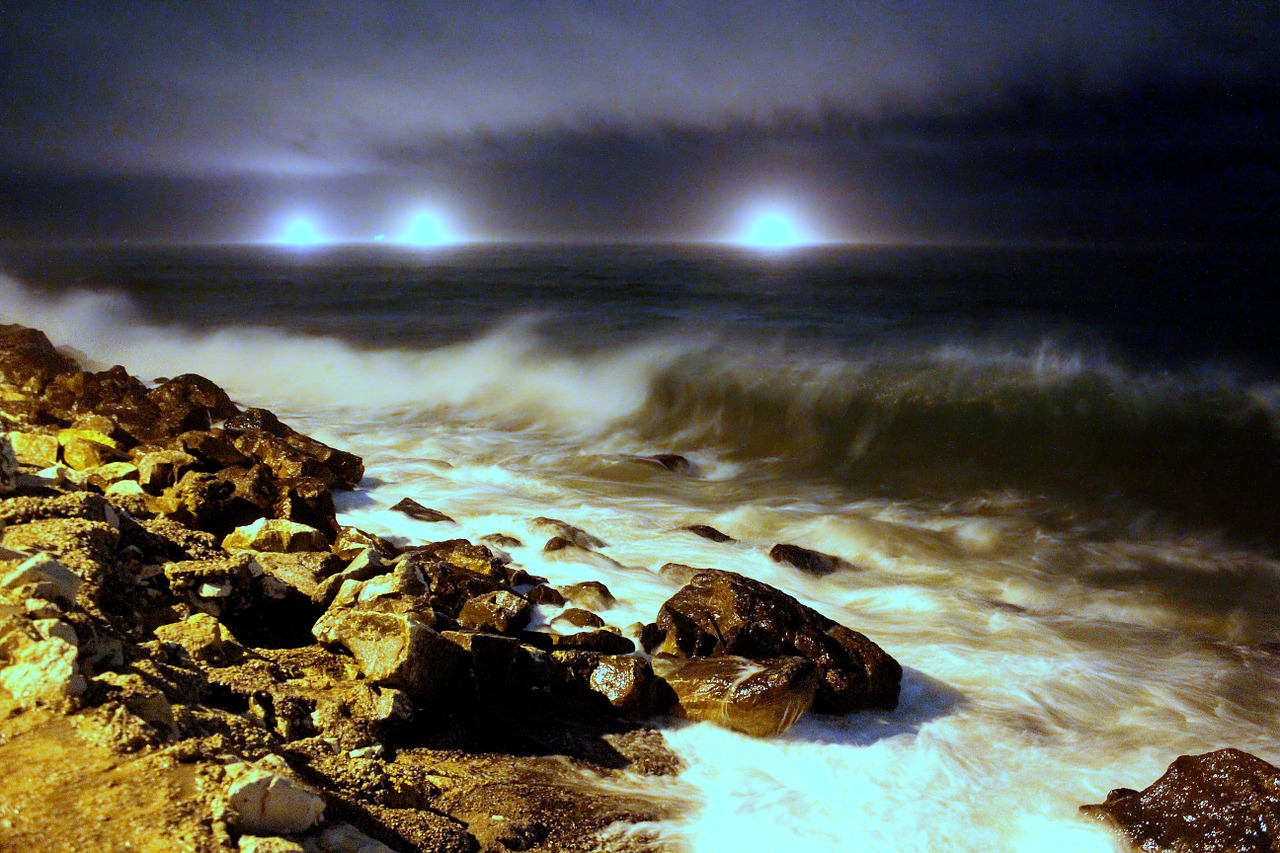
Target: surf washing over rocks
{"points": [[1064, 549]]}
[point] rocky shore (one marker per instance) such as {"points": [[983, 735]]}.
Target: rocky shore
{"points": [[195, 654]]}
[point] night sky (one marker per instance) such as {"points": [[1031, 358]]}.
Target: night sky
{"points": [[928, 120]]}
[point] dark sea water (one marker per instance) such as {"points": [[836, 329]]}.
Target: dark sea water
{"points": [[1056, 469]]}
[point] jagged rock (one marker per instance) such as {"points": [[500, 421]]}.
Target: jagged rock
{"points": [[464, 555], [813, 562], [124, 490], [350, 541], [8, 466], [576, 617], [204, 637], [35, 448], [38, 661], [761, 698], [170, 541], [190, 402], [307, 500], [269, 844], [41, 576], [365, 565], [161, 469], [626, 682], [218, 586], [213, 447], [28, 360], [723, 613], [20, 510], [259, 434], [679, 572], [564, 530], [106, 476], [276, 534], [303, 572], [403, 590], [418, 512], [449, 587], [145, 701], [706, 531], [592, 595], [501, 540], [393, 649], [354, 714], [499, 611], [86, 449], [200, 500], [1226, 801], [266, 799], [85, 547]]}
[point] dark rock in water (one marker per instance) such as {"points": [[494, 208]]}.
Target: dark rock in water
{"points": [[211, 446], [603, 641], [1219, 802], [28, 359], [672, 462], [593, 595], [545, 594], [679, 572], [813, 562], [564, 530], [260, 434], [307, 500], [501, 540], [417, 511], [724, 613], [578, 618], [499, 611], [706, 531], [447, 586], [761, 698]]}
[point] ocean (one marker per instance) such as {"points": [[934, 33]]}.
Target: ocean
{"points": [[1054, 472]]}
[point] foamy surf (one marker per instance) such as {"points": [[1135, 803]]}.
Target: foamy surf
{"points": [[1049, 655]]}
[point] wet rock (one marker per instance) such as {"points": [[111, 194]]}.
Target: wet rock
{"points": [[303, 573], [723, 613], [266, 799], [706, 531], [500, 611], [673, 462], [501, 540], [190, 402], [564, 530], [593, 595], [38, 661], [350, 541], [162, 469], [1226, 801], [679, 572], [212, 447], [220, 586], [307, 500], [28, 360], [261, 435], [762, 698], [41, 576], [464, 555], [366, 565], [813, 562], [449, 587], [255, 494], [277, 535], [199, 500], [576, 617], [417, 511], [545, 594], [393, 649], [603, 641], [626, 682]]}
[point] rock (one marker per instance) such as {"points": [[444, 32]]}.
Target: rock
{"points": [[345, 838], [190, 402], [355, 714], [564, 530], [592, 595], [499, 611], [723, 613], [106, 476], [277, 535], [350, 541], [85, 547], [449, 587], [42, 577], [1226, 801], [366, 564], [304, 573], [265, 799], [38, 661], [21, 510], [212, 447], [679, 572], [393, 649], [545, 594], [85, 449], [220, 586], [204, 637], [161, 469], [603, 641], [813, 562], [576, 617], [8, 466], [36, 449], [501, 540], [625, 681], [761, 698], [143, 700], [464, 555], [307, 500], [28, 360], [417, 511], [269, 844], [199, 500], [125, 489], [672, 462], [260, 434], [708, 532]]}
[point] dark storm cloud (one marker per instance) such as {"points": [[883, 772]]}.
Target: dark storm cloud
{"points": [[646, 119]]}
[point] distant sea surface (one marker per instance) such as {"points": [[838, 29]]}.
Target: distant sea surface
{"points": [[1057, 471]]}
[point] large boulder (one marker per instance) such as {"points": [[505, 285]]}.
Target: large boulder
{"points": [[259, 434], [28, 360], [724, 613], [761, 698], [190, 402], [393, 649], [278, 535], [1219, 802], [38, 661], [265, 798]]}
